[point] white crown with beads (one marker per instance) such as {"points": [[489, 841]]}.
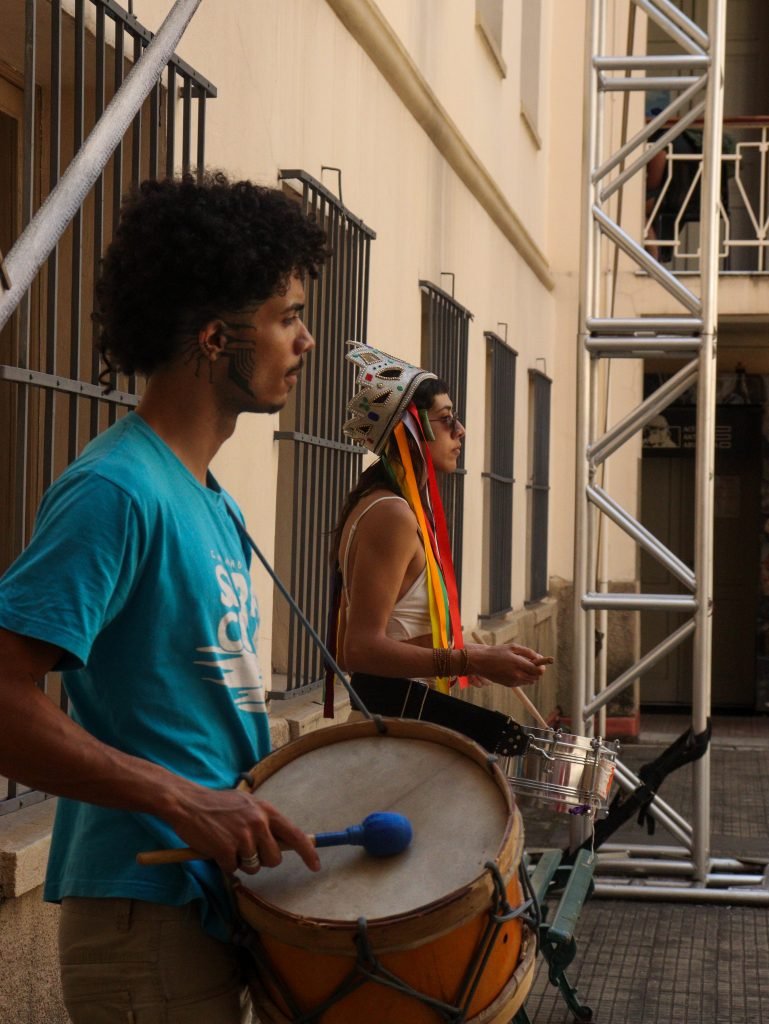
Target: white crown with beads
{"points": [[386, 386]]}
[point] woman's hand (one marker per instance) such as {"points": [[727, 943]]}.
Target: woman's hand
{"points": [[507, 664]]}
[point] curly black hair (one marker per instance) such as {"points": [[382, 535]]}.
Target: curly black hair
{"points": [[186, 251]]}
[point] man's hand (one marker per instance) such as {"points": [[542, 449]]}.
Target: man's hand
{"points": [[233, 827]]}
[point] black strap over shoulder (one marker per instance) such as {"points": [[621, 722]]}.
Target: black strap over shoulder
{"points": [[410, 698]]}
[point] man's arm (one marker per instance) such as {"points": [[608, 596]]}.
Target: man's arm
{"points": [[40, 746]]}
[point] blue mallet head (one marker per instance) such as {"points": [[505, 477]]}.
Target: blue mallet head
{"points": [[381, 834]]}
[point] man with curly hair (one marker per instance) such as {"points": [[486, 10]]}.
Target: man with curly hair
{"points": [[136, 587]]}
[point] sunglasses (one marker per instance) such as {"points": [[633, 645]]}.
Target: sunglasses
{"points": [[450, 421]]}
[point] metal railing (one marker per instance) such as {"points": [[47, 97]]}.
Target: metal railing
{"points": [[498, 539], [317, 467], [51, 402], [445, 326], [672, 220]]}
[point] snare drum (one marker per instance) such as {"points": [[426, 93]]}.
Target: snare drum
{"points": [[375, 940], [563, 772]]}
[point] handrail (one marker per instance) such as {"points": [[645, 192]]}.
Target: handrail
{"points": [[50, 222]]}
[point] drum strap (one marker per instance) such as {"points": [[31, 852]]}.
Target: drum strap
{"points": [[411, 698]]}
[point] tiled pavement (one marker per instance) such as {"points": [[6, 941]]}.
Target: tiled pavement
{"points": [[643, 962]]}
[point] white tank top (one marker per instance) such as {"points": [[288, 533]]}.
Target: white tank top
{"points": [[410, 616]]}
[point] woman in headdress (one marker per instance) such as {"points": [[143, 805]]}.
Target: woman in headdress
{"points": [[398, 623]]}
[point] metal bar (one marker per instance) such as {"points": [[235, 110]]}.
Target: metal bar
{"points": [[638, 417], [321, 190], [668, 20], [99, 206], [129, 21], [656, 124], [117, 162], [589, 269], [629, 525], [609, 84], [52, 269], [677, 17], [170, 119], [24, 298], [639, 602], [23, 375], [186, 125], [201, 140], [636, 252], [318, 442], [136, 131], [646, 662], [663, 811], [642, 325], [77, 230], [706, 423], [657, 146], [695, 893], [46, 227], [643, 348], [657, 62]]}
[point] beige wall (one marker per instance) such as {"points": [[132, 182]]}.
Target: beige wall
{"points": [[296, 90]]}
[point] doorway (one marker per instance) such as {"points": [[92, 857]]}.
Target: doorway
{"points": [[667, 509]]}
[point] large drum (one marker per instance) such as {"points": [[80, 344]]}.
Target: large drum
{"points": [[389, 940]]}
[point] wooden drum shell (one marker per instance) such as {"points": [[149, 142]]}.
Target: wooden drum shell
{"points": [[430, 946]]}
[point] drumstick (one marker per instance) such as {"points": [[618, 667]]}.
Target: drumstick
{"points": [[517, 692], [381, 834]]}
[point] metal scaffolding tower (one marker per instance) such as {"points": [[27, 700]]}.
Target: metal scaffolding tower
{"points": [[694, 79]]}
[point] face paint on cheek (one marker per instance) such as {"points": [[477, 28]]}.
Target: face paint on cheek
{"points": [[241, 365]]}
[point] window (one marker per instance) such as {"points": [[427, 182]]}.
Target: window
{"points": [[444, 351], [539, 483], [316, 466], [500, 435], [531, 31], [488, 18]]}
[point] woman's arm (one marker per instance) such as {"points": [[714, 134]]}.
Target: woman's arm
{"points": [[386, 543]]}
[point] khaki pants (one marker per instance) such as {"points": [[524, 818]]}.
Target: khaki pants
{"points": [[130, 962]]}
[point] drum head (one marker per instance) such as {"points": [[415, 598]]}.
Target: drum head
{"points": [[459, 813]]}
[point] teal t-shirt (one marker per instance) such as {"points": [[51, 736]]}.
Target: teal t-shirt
{"points": [[139, 573]]}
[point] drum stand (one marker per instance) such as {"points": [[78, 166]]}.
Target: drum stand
{"points": [[573, 883]]}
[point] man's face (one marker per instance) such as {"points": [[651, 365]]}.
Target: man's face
{"points": [[265, 351]]}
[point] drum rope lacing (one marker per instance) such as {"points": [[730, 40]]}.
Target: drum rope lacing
{"points": [[367, 967]]}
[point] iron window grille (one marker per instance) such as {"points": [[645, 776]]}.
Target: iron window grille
{"points": [[316, 467], [538, 486], [52, 404], [500, 433], [445, 326]]}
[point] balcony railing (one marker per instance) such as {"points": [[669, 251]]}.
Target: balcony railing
{"points": [[671, 229]]}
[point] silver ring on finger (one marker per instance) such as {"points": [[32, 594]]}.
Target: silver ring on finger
{"points": [[250, 862]]}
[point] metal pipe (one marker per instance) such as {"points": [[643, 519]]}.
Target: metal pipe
{"points": [[640, 416], [689, 36], [49, 223], [656, 147], [681, 893], [609, 84], [643, 348], [692, 29], [644, 325], [636, 63], [656, 124], [706, 424], [643, 537], [637, 253], [648, 661]]}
